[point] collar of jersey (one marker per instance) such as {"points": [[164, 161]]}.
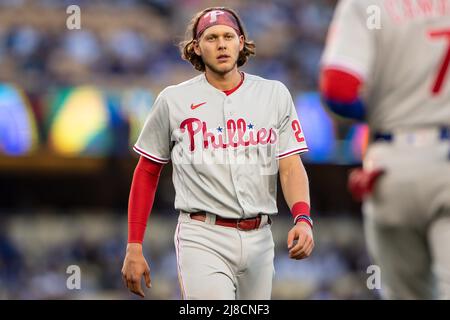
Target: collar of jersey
{"points": [[234, 90]]}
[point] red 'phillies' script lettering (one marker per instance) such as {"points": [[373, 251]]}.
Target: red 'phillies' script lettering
{"points": [[235, 134]]}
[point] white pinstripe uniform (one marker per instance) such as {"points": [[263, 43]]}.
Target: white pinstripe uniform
{"points": [[405, 68], [224, 151]]}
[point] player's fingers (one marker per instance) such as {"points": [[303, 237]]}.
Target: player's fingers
{"points": [[135, 286], [302, 252], [309, 248], [147, 278], [299, 246], [299, 254], [124, 279], [290, 239], [306, 251], [130, 285]]}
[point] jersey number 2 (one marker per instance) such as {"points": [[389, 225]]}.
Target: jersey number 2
{"points": [[444, 68], [297, 131]]}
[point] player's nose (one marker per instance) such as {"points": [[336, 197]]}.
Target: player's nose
{"points": [[221, 43]]}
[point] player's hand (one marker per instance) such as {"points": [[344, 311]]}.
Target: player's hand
{"points": [[134, 266], [362, 182], [305, 242]]}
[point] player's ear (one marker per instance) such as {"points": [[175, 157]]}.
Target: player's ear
{"points": [[196, 48], [241, 42]]}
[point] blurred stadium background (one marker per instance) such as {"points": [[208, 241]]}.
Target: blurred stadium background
{"points": [[72, 103]]}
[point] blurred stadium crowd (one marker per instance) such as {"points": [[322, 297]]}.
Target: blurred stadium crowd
{"points": [[131, 44], [36, 250]]}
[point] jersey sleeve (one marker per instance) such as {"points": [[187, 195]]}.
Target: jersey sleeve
{"points": [[291, 138], [154, 140], [350, 44]]}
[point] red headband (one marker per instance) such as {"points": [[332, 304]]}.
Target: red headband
{"points": [[215, 17]]}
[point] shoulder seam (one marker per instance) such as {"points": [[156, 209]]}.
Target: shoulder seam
{"points": [[186, 83]]}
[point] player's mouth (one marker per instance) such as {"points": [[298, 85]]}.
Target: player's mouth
{"points": [[223, 58]]}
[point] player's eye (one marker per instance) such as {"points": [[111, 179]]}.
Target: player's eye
{"points": [[229, 36]]}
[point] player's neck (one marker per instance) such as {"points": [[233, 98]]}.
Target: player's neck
{"points": [[224, 82]]}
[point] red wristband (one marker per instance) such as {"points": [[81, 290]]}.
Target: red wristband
{"points": [[300, 208]]}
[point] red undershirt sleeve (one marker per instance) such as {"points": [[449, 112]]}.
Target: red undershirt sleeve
{"points": [[142, 194], [340, 92], [338, 85]]}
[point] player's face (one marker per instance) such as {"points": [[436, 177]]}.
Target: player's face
{"points": [[219, 47]]}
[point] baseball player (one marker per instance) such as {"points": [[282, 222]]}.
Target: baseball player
{"points": [[227, 133], [387, 62]]}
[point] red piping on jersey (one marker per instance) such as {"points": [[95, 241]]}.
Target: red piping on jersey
{"points": [[183, 293], [149, 156], [228, 92], [290, 152]]}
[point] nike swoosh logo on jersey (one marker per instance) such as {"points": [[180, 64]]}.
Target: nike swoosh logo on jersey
{"points": [[195, 106]]}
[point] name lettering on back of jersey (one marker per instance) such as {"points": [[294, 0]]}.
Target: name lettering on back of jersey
{"points": [[402, 11], [237, 133]]}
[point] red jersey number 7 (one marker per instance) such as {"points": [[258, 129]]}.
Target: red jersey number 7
{"points": [[444, 68]]}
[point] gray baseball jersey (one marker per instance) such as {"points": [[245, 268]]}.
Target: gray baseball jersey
{"points": [[404, 63], [223, 148], [405, 69]]}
